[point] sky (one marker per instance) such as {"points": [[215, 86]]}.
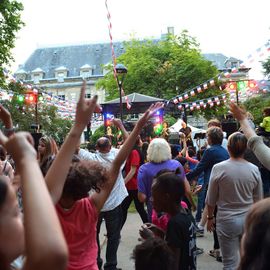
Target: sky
{"points": [[232, 27]]}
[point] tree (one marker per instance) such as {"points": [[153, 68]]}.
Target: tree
{"points": [[10, 24], [170, 120], [256, 105], [266, 67], [24, 115], [162, 68]]}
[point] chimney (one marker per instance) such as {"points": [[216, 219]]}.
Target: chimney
{"points": [[170, 30]]}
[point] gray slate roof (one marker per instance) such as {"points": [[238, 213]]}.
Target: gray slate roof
{"points": [[135, 98], [218, 59], [73, 57]]}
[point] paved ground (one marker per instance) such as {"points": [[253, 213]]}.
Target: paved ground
{"points": [[130, 239]]}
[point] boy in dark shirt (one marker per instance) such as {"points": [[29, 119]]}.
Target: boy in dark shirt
{"points": [[167, 192]]}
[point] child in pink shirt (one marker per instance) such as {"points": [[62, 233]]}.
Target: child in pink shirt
{"points": [[69, 186], [162, 221]]}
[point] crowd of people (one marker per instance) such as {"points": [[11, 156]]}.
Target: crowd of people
{"points": [[54, 200]]}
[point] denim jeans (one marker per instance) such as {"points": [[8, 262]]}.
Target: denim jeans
{"points": [[133, 196], [265, 174], [113, 223], [201, 199], [229, 234]]}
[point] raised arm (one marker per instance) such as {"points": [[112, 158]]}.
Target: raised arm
{"points": [[127, 146], [184, 150], [201, 166], [241, 116], [44, 241], [118, 123], [255, 143], [101, 197], [55, 178], [7, 121]]}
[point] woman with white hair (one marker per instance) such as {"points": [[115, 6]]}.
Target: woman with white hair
{"points": [[159, 158]]}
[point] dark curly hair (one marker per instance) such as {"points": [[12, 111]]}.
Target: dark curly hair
{"points": [[84, 176], [266, 111], [170, 182], [256, 242], [153, 253]]}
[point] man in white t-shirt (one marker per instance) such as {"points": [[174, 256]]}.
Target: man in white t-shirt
{"points": [[111, 211]]}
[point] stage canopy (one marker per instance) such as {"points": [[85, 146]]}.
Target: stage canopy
{"points": [[139, 103]]}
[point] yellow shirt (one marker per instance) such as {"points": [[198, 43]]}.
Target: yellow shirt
{"points": [[266, 123]]}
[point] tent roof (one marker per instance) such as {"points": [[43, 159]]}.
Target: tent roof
{"points": [[135, 98], [178, 125]]}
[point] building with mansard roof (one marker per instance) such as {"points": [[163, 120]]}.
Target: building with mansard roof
{"points": [[60, 70]]}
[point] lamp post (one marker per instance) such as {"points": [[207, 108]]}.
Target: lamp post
{"points": [[121, 72]]}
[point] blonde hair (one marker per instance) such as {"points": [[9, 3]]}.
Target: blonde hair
{"points": [[158, 151]]}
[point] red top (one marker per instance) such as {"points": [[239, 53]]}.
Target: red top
{"points": [[79, 227], [133, 160]]}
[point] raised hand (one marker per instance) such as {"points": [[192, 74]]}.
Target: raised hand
{"points": [[150, 230], [238, 113], [117, 122], [20, 146], [5, 117], [85, 108], [146, 233], [149, 113]]}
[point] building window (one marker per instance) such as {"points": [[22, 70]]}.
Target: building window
{"points": [[86, 74], [234, 64], [60, 76], [61, 73], [73, 96], [62, 97], [86, 71], [88, 95], [36, 78]]}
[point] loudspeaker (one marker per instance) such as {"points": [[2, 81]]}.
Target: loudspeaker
{"points": [[229, 127]]}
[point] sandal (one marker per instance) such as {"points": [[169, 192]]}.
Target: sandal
{"points": [[215, 253]]}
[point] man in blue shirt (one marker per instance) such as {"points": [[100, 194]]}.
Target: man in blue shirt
{"points": [[212, 155]]}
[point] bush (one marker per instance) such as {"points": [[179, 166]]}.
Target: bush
{"points": [[170, 120], [256, 105], [100, 132]]}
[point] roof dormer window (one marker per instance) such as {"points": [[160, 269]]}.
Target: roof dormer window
{"points": [[86, 71], [37, 75], [61, 73], [21, 74], [232, 63]]}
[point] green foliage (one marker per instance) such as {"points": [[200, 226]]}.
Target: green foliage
{"points": [[163, 69], [266, 67], [10, 24], [170, 120], [24, 115], [100, 132], [256, 105]]}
